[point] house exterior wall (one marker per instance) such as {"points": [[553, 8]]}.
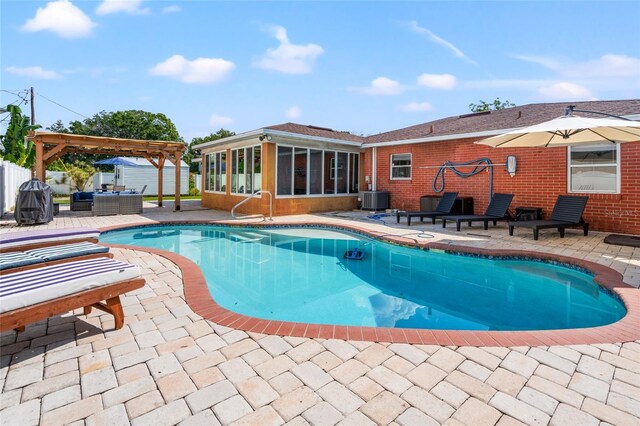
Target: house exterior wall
{"points": [[541, 176], [281, 206]]}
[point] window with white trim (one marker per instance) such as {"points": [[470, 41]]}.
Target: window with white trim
{"points": [[400, 166], [594, 168], [246, 170], [216, 172], [305, 171]]}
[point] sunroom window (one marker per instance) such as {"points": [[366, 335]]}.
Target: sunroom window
{"points": [[246, 170], [401, 166], [594, 168], [216, 172]]}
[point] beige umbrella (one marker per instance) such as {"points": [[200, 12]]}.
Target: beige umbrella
{"points": [[568, 130]]}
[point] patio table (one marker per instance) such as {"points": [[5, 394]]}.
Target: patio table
{"points": [[106, 204]]}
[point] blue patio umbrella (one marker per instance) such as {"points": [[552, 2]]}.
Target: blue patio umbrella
{"points": [[116, 161]]}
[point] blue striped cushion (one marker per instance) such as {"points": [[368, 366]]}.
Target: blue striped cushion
{"points": [[83, 274], [66, 251], [15, 259]]}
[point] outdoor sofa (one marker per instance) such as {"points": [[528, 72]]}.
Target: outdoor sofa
{"points": [[497, 210], [443, 208], [81, 201], [567, 213]]}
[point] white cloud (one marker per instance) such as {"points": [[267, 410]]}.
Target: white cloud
{"points": [[219, 120], [437, 81], [293, 112], [416, 107], [547, 62], [609, 65], [199, 70], [36, 72], [171, 9], [132, 7], [565, 91], [413, 26], [289, 58], [62, 18], [384, 86]]}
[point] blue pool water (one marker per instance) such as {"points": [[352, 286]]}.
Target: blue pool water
{"points": [[299, 274]]}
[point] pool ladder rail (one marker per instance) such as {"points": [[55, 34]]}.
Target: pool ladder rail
{"points": [[233, 210]]}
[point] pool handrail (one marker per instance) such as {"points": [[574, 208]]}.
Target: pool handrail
{"points": [[233, 215]]}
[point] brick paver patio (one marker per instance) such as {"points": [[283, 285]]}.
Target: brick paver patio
{"points": [[169, 366]]}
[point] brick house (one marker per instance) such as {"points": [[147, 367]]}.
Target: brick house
{"points": [[310, 168]]}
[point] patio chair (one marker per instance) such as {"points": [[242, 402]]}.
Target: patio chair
{"points": [[118, 188], [567, 213], [143, 189], [22, 260], [497, 210], [37, 294], [443, 208]]}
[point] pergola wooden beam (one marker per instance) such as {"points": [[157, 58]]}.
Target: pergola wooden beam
{"points": [[51, 146]]}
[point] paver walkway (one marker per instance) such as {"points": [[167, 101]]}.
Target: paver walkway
{"points": [[169, 366]]}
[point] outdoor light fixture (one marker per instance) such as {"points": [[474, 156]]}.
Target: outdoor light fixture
{"points": [[263, 137]]}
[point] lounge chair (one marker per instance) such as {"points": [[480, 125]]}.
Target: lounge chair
{"points": [[443, 208], [567, 213], [22, 260], [497, 210], [37, 294], [29, 240]]}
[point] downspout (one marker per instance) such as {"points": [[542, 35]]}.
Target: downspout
{"points": [[374, 165]]}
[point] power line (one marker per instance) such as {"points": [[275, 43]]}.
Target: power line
{"points": [[61, 106]]}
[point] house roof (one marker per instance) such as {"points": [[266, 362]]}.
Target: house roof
{"points": [[508, 118], [322, 132], [468, 125]]}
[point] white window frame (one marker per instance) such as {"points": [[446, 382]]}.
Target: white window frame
{"points": [[212, 191], [307, 195], [391, 166], [595, 147], [247, 166]]}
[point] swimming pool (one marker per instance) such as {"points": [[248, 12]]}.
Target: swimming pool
{"points": [[300, 275]]}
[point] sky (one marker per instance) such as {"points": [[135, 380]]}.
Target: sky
{"points": [[363, 67]]}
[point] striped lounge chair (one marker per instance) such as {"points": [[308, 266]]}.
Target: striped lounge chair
{"points": [[29, 259], [28, 240], [37, 294]]}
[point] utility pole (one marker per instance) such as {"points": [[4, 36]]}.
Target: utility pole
{"points": [[33, 108]]}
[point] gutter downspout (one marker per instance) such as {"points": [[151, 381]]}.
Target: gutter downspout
{"points": [[374, 165]]}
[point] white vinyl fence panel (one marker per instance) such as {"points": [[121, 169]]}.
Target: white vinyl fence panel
{"points": [[198, 181], [11, 177], [61, 185]]}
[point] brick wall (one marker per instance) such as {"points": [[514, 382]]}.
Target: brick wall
{"points": [[540, 178]]}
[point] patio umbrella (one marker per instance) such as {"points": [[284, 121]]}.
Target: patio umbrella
{"points": [[568, 130], [116, 161]]}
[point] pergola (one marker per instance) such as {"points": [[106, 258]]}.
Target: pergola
{"points": [[51, 146]]}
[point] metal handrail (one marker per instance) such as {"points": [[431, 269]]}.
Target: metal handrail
{"points": [[250, 197]]}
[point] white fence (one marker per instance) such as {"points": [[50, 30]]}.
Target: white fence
{"points": [[198, 180], [11, 177], [62, 185]]}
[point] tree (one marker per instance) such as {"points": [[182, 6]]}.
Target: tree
{"points": [[192, 153], [79, 173], [131, 124], [493, 106], [15, 147]]}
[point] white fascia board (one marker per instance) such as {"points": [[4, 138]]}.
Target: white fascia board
{"points": [[298, 136], [230, 139], [485, 133]]}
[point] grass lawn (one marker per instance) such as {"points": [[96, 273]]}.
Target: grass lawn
{"points": [[150, 198]]}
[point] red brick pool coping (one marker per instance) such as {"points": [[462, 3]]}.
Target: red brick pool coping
{"points": [[201, 302]]}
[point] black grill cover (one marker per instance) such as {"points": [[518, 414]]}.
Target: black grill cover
{"points": [[34, 203]]}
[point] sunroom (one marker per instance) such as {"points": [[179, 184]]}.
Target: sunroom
{"points": [[300, 169]]}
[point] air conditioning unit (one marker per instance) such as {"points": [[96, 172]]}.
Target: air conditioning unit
{"points": [[375, 200]]}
